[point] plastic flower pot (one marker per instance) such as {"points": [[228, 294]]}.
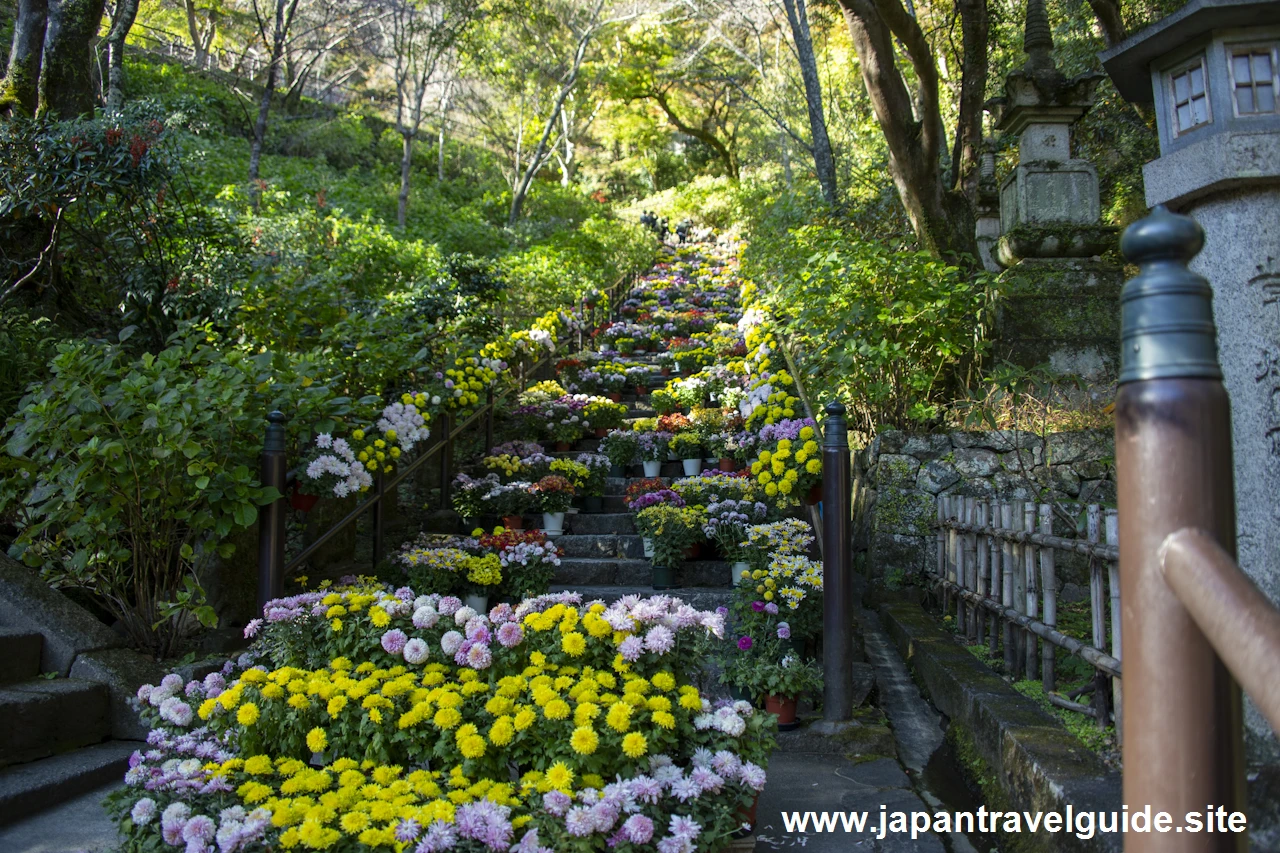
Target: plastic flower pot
{"points": [[553, 523], [692, 467], [513, 522], [592, 503], [815, 495], [647, 544], [652, 467], [783, 706], [727, 463], [301, 501], [478, 603], [747, 814], [664, 577], [617, 471], [736, 570]]}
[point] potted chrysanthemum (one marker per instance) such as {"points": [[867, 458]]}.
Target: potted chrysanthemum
{"points": [[554, 495]]}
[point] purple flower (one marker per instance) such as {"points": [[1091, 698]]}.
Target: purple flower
{"points": [[451, 642], [771, 609], [744, 643], [199, 829], [660, 639], [144, 811], [638, 829], [416, 651], [556, 802], [251, 630], [631, 648], [408, 830], [393, 642], [784, 631], [510, 635], [439, 837], [757, 606], [479, 656], [722, 610]]}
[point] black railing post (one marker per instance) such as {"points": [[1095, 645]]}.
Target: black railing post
{"points": [[446, 457], [271, 517], [837, 570], [379, 515]]}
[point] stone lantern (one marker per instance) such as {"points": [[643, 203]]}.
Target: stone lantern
{"points": [[1061, 301], [1209, 71]]}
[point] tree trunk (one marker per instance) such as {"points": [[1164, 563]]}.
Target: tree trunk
{"points": [[279, 35], [406, 162], [942, 220], [709, 139], [824, 162], [66, 77], [20, 90], [1109, 20], [193, 29], [126, 12], [974, 28]]}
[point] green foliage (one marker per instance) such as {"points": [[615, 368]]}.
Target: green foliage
{"points": [[889, 332], [129, 474], [26, 345]]}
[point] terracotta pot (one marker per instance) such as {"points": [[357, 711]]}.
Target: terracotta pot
{"points": [[693, 552], [601, 432], [513, 522], [815, 495], [783, 706], [641, 390], [564, 446], [666, 371], [615, 396], [727, 464], [300, 501], [748, 814]]}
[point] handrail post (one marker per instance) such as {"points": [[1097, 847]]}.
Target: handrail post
{"points": [[837, 571], [379, 515], [271, 517], [446, 457], [1183, 747]]}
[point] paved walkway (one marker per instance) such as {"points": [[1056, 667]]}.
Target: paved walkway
{"points": [[80, 825]]}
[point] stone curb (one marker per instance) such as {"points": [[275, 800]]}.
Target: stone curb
{"points": [[1039, 765]]}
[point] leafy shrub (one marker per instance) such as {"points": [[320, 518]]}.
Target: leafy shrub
{"points": [[888, 331], [26, 345]]}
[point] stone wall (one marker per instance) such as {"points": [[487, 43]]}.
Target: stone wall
{"points": [[907, 473]]}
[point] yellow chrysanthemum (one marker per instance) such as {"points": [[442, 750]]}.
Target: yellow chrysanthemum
{"points": [[635, 745], [584, 740], [317, 740]]}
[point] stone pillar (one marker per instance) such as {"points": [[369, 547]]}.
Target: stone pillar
{"points": [[987, 225], [1061, 301], [1208, 71]]}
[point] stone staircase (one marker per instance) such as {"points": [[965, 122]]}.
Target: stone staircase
{"points": [[54, 732]]}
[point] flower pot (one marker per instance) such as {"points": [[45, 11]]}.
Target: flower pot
{"points": [[727, 463], [553, 523], [647, 544], [592, 503], [513, 522], [736, 570], [617, 471], [815, 495], [601, 432], [478, 603], [666, 371], [664, 577], [652, 467], [640, 351], [693, 552], [641, 390], [564, 446], [603, 347], [747, 815], [692, 467], [301, 501], [573, 510], [671, 456], [783, 706], [615, 396]]}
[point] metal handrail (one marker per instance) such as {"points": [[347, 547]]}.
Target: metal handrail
{"points": [[272, 567], [1240, 622]]}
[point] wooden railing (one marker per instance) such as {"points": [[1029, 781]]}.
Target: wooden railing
{"points": [[997, 568]]}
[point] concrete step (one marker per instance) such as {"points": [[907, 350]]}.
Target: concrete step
{"points": [[20, 654], [599, 523], [702, 598], [29, 788], [632, 572], [42, 717]]}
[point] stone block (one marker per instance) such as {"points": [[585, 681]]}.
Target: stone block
{"points": [[34, 787], [39, 718], [976, 462], [937, 475], [901, 551], [926, 447], [909, 512], [890, 441], [27, 602], [1012, 487], [897, 470], [1062, 478], [1098, 492], [19, 654], [122, 672], [1070, 447]]}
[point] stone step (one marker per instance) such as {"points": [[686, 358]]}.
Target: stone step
{"points": [[599, 523], [40, 717], [702, 598], [19, 654], [29, 788], [632, 572], [601, 546]]}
